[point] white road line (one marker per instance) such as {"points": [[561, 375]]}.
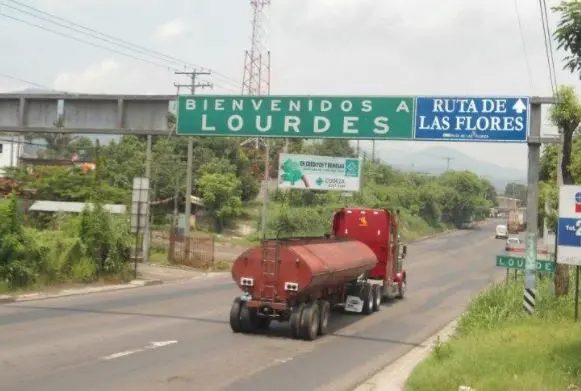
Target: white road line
{"points": [[152, 345]]}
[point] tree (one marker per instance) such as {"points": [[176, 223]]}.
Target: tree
{"points": [[57, 144], [516, 190], [221, 193], [566, 115], [463, 197], [124, 159], [333, 147], [568, 34]]}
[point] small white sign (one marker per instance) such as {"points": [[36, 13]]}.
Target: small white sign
{"points": [[139, 204], [353, 304], [312, 172]]}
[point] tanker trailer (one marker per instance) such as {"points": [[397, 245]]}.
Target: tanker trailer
{"points": [[299, 279]]}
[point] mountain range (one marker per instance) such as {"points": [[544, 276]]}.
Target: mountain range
{"points": [[423, 161]]}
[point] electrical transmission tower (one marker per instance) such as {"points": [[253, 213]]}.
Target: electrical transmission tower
{"points": [[256, 77], [256, 82]]}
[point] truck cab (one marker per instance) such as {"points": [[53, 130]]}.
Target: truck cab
{"points": [[379, 230]]}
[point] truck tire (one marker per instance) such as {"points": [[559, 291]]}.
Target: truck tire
{"points": [[325, 315], [368, 299], [401, 289], [377, 297], [246, 321], [235, 323], [295, 320], [310, 322]]}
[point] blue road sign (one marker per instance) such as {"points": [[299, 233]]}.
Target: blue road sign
{"points": [[569, 232], [484, 119]]}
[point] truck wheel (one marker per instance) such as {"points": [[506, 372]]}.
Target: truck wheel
{"points": [[235, 323], [377, 297], [295, 320], [310, 322], [402, 287], [325, 315], [368, 299], [246, 322]]}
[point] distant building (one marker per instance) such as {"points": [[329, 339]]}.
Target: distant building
{"points": [[11, 150], [508, 203]]}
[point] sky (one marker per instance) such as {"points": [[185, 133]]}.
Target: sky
{"points": [[319, 47]]}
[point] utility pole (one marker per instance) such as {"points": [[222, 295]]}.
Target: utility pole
{"points": [[448, 159], [189, 176], [534, 152], [373, 151]]}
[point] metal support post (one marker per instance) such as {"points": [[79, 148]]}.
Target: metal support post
{"points": [[146, 233], [188, 200], [265, 189], [534, 147]]}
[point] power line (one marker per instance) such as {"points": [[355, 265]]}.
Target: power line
{"points": [[6, 76], [551, 52], [524, 45], [548, 46], [109, 39]]}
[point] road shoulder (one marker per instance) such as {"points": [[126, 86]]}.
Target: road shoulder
{"points": [[150, 275], [394, 376]]}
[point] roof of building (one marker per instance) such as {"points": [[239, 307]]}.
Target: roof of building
{"points": [[71, 207]]}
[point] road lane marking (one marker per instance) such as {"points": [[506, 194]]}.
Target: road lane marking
{"points": [[152, 345]]}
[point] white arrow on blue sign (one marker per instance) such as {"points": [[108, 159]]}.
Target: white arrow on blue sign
{"points": [[484, 119]]}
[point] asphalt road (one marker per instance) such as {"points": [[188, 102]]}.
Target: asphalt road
{"points": [[176, 336]]}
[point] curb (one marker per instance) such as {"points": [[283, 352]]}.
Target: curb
{"points": [[421, 239], [5, 299], [138, 283], [394, 376], [78, 292]]}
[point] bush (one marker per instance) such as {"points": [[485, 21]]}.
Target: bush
{"points": [[79, 249], [427, 204]]}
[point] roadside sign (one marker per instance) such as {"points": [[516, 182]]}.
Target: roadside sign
{"points": [[354, 118], [483, 119], [511, 262], [139, 206], [569, 231], [319, 172]]}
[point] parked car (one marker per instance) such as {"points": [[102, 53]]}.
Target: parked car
{"points": [[510, 242]]}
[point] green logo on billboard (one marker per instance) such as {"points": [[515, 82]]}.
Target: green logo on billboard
{"points": [[291, 172], [351, 168], [320, 181]]}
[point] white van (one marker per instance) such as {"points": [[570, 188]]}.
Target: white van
{"points": [[501, 232]]}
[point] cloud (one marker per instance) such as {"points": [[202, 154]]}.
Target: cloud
{"points": [[170, 29], [111, 76], [94, 78]]}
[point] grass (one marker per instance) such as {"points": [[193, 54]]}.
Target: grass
{"points": [[159, 257], [498, 347]]}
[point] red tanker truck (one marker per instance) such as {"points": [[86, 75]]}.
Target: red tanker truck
{"points": [[299, 280]]}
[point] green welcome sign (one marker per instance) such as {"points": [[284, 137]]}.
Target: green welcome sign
{"points": [[371, 118]]}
